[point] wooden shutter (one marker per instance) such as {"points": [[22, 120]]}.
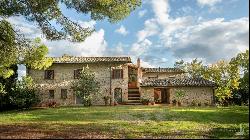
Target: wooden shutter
{"points": [[52, 74], [45, 74], [122, 73], [74, 74], [113, 74]]}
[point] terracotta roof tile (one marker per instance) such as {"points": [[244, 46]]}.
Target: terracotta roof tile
{"points": [[162, 70], [74, 59], [177, 82]]}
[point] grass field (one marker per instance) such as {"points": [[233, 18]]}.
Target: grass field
{"points": [[126, 122]]}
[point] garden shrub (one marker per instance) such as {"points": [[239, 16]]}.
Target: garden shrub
{"points": [[21, 95], [24, 94], [146, 99]]}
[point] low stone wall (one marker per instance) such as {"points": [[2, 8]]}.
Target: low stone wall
{"points": [[147, 92], [201, 95]]}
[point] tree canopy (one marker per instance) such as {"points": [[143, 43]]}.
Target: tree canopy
{"points": [[226, 74], [43, 12], [16, 49], [86, 86]]}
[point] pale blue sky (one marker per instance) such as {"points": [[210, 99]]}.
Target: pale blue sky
{"points": [[161, 32]]}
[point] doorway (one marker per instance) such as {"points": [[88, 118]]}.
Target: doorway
{"points": [[165, 95]]}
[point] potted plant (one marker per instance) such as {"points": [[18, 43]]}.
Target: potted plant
{"points": [[115, 103], [157, 100], [153, 103], [179, 94], [174, 102], [145, 99], [106, 99]]}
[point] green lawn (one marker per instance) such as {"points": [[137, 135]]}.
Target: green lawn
{"points": [[126, 122]]}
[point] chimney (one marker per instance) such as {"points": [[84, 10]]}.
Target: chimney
{"points": [[138, 62]]}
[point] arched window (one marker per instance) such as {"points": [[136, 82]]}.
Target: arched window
{"points": [[118, 95]]}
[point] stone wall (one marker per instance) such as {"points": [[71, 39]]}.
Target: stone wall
{"points": [[64, 75], [121, 83], [197, 94], [147, 92]]}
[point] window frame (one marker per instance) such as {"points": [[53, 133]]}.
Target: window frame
{"points": [[116, 72], [46, 77], [66, 94], [50, 93], [77, 73]]}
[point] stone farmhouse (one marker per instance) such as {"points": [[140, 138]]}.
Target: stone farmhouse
{"points": [[119, 78]]}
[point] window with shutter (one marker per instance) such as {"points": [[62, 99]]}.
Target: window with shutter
{"points": [[51, 94], [49, 74], [117, 74], [77, 73], [64, 93]]}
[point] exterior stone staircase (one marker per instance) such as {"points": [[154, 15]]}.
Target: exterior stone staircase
{"points": [[133, 96]]}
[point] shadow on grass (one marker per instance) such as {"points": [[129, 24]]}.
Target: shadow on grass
{"points": [[229, 133], [115, 114], [90, 131]]}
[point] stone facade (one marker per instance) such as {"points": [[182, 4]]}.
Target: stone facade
{"points": [[64, 75], [171, 79], [202, 95]]}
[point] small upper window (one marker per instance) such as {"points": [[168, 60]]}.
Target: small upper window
{"points": [[77, 73], [49, 74], [63, 93], [117, 74], [51, 94]]}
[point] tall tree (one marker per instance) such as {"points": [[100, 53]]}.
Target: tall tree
{"points": [[86, 86], [195, 68], [43, 12], [15, 50], [242, 61]]}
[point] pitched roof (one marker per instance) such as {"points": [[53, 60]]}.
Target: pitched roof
{"points": [[162, 70], [74, 59], [177, 82]]}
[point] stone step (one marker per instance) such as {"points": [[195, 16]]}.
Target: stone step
{"points": [[133, 90], [133, 95], [133, 104], [133, 98], [134, 101]]}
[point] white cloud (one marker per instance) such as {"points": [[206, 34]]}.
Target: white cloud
{"points": [[94, 45], [25, 27], [208, 2], [146, 64], [161, 9], [140, 48], [187, 38], [122, 30], [169, 25], [142, 13], [213, 40], [150, 28]]}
